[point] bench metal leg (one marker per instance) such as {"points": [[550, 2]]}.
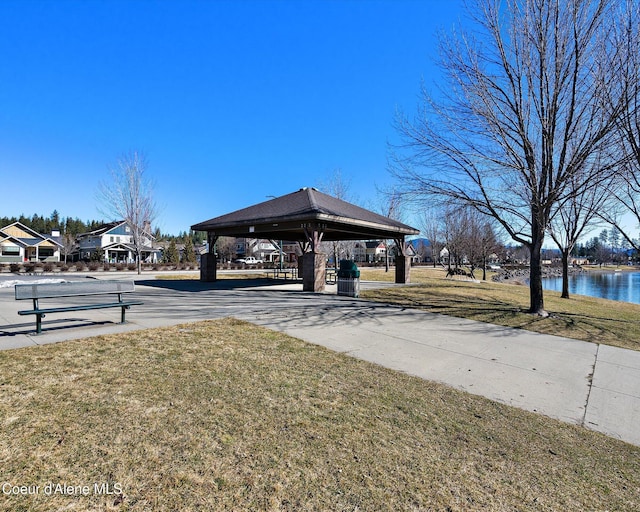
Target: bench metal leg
{"points": [[39, 323], [123, 308]]}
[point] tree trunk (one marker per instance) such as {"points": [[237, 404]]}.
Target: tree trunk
{"points": [[565, 273], [386, 256], [536, 296]]}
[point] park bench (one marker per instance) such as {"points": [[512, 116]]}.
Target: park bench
{"points": [[460, 272], [39, 291]]}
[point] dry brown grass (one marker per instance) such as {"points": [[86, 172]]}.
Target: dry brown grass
{"points": [[579, 317], [224, 415]]}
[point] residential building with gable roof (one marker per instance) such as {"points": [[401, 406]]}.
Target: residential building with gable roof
{"points": [[373, 251], [19, 243], [115, 241]]}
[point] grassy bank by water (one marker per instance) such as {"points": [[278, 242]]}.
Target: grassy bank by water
{"points": [[224, 415], [579, 317]]}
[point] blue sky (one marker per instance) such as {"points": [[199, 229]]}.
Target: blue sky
{"points": [[231, 101]]}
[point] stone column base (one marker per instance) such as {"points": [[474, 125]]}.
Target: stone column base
{"points": [[403, 269], [208, 264], [314, 271]]}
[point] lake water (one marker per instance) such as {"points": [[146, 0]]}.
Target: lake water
{"points": [[622, 286]]}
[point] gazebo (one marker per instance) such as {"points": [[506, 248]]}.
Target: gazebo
{"points": [[309, 217]]}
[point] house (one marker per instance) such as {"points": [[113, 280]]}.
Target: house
{"points": [[369, 252], [265, 250], [19, 243], [113, 243]]}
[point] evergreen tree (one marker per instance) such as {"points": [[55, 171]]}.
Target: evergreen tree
{"points": [[171, 255], [54, 220], [98, 255], [189, 254]]}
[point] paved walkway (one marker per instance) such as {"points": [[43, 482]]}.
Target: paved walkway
{"points": [[577, 382]]}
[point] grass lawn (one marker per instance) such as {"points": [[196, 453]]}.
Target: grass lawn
{"points": [[224, 415], [579, 317]]}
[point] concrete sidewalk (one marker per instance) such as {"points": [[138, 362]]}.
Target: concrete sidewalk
{"points": [[577, 382]]}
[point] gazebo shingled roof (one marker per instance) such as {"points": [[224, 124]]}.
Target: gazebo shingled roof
{"points": [[286, 218]]}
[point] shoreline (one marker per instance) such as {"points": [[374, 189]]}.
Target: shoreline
{"points": [[521, 276]]}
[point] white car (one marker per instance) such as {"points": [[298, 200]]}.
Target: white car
{"points": [[249, 260]]}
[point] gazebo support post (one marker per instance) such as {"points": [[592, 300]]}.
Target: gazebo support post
{"points": [[314, 263], [403, 263], [208, 261], [314, 271]]}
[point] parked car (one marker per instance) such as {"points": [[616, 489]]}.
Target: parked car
{"points": [[249, 260]]}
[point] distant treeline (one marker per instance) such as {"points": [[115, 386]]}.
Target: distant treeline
{"points": [[45, 225], [70, 226]]}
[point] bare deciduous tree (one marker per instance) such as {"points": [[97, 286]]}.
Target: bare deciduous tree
{"points": [[432, 229], [520, 115], [68, 245], [573, 217], [128, 196], [455, 230], [482, 241], [338, 186], [225, 248], [390, 205], [627, 38]]}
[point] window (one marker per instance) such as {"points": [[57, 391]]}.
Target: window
{"points": [[10, 250]]}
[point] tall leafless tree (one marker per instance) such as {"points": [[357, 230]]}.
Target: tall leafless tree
{"points": [[575, 216], [432, 229], [339, 186], [520, 114], [456, 228], [627, 38], [482, 241], [68, 245], [389, 204], [128, 196]]}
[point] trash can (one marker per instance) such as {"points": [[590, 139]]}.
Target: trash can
{"points": [[348, 279]]}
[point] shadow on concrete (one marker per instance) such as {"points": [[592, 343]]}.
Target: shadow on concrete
{"points": [[193, 285], [48, 326]]}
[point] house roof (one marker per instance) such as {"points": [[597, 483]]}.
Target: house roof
{"points": [[119, 246], [103, 228], [287, 216], [27, 236], [109, 226]]}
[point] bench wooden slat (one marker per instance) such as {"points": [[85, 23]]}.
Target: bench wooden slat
{"points": [[63, 309], [71, 289]]}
